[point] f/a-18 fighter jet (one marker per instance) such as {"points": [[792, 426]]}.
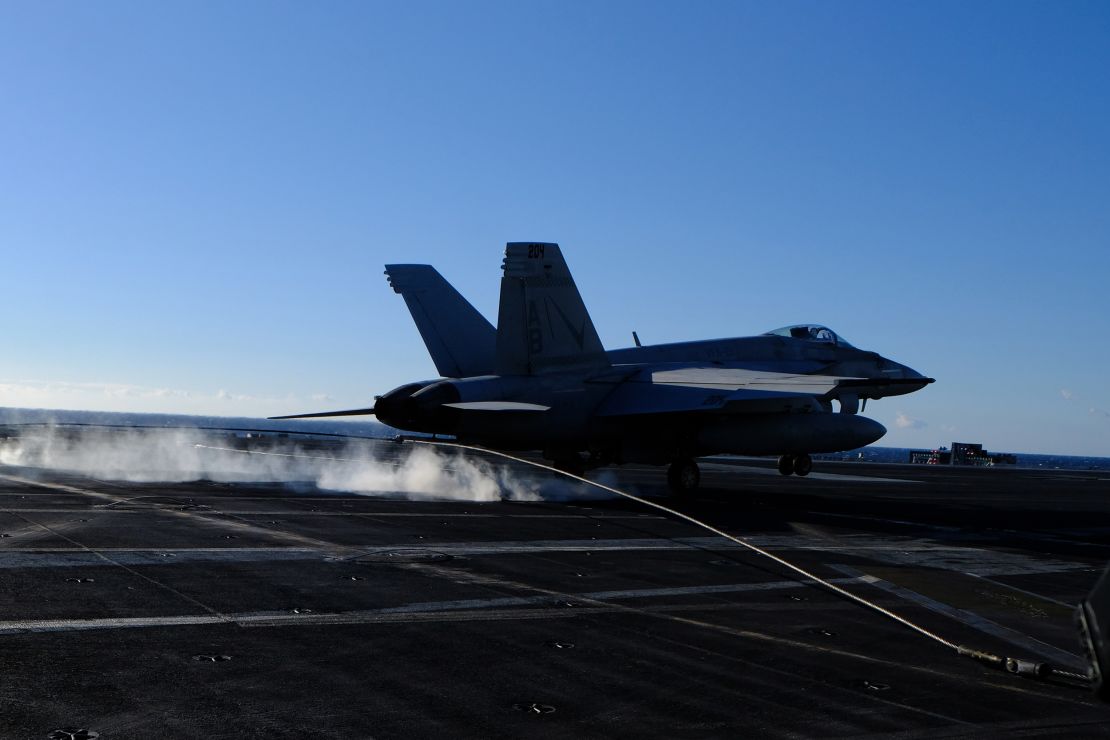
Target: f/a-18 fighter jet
{"points": [[542, 381]]}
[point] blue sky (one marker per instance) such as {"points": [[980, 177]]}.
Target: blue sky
{"points": [[198, 198]]}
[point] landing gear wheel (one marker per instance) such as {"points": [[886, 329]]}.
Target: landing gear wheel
{"points": [[683, 476], [802, 464], [786, 464]]}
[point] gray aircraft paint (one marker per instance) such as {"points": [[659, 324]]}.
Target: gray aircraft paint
{"points": [[554, 387], [456, 333]]}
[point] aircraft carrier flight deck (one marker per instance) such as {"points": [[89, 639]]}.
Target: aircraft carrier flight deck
{"points": [[210, 609]]}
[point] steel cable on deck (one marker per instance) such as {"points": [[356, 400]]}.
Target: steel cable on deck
{"points": [[1018, 666]]}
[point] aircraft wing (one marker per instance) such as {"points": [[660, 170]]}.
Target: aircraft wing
{"points": [[718, 390], [735, 379]]}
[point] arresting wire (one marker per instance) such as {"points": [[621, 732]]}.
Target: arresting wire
{"points": [[1018, 666]]}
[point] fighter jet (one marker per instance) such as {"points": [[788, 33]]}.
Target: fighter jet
{"points": [[542, 381]]}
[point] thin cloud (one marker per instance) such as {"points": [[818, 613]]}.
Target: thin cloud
{"points": [[1091, 411], [907, 422], [124, 397]]}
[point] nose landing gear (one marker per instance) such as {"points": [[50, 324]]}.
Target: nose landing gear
{"points": [[795, 464], [683, 476]]}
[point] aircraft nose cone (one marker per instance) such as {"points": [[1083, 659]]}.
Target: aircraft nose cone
{"points": [[910, 374], [899, 371], [922, 380], [909, 379]]}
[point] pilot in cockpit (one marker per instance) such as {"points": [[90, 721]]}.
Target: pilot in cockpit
{"points": [[810, 332]]}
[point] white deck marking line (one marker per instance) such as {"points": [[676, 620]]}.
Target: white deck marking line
{"points": [[124, 558], [788, 542], [60, 487], [101, 556], [726, 468], [887, 550], [416, 608], [903, 522], [69, 625], [235, 525], [206, 517], [974, 620], [282, 619], [141, 509], [51, 549], [1011, 587], [639, 593]]}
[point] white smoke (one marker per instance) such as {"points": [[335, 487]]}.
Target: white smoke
{"points": [[180, 455]]}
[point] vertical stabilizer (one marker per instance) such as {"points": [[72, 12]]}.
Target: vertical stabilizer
{"points": [[542, 324], [460, 340]]}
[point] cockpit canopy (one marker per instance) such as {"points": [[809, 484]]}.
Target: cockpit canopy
{"points": [[810, 332]]}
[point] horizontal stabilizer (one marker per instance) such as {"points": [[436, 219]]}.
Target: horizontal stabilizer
{"points": [[497, 406], [321, 414]]}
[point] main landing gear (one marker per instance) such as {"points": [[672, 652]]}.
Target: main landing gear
{"points": [[795, 464], [683, 476]]}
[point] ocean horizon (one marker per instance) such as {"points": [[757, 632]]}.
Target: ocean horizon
{"points": [[15, 417]]}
